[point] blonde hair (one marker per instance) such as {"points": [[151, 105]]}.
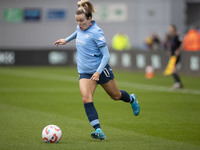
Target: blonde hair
{"points": [[85, 7]]}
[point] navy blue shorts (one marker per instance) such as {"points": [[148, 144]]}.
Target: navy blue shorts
{"points": [[105, 76]]}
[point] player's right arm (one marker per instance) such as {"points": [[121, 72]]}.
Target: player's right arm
{"points": [[67, 40]]}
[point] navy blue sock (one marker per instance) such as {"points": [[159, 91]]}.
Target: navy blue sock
{"points": [[92, 115], [126, 97]]}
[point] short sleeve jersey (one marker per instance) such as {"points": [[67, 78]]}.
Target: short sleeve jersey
{"points": [[88, 43]]}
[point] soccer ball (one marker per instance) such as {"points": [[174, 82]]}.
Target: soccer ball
{"points": [[51, 134]]}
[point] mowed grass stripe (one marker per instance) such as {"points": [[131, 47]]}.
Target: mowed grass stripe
{"points": [[47, 76], [29, 89], [24, 128]]}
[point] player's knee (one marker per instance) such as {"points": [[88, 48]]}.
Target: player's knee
{"points": [[86, 99]]}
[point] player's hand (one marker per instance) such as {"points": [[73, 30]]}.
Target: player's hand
{"points": [[177, 53], [95, 76], [60, 42]]}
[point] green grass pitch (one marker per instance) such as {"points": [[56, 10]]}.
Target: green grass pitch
{"points": [[33, 97]]}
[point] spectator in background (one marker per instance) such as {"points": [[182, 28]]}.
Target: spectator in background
{"points": [[148, 43], [153, 42], [121, 42], [166, 42], [191, 41], [174, 43]]}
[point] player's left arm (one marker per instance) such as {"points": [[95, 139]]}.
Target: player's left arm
{"points": [[105, 59]]}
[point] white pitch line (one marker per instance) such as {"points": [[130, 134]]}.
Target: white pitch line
{"points": [[158, 88], [66, 78]]}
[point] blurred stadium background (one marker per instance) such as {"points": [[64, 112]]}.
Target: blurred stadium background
{"points": [[39, 83], [38, 23], [29, 29]]}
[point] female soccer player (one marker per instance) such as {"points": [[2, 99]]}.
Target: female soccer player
{"points": [[92, 64]]}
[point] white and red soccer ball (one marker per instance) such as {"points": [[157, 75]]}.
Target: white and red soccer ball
{"points": [[51, 134]]}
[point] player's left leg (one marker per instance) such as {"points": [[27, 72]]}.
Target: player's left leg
{"points": [[112, 90]]}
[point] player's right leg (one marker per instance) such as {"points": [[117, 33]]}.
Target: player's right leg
{"points": [[87, 88]]}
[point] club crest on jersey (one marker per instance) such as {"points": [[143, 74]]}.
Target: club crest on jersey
{"points": [[101, 38], [86, 36]]}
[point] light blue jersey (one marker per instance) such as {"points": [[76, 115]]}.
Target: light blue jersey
{"points": [[92, 52]]}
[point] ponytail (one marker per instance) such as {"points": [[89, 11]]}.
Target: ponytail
{"points": [[85, 7]]}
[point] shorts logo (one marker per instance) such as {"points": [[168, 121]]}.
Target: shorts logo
{"points": [[106, 72], [86, 36]]}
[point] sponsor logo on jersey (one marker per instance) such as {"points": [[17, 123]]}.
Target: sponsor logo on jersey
{"points": [[81, 42]]}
